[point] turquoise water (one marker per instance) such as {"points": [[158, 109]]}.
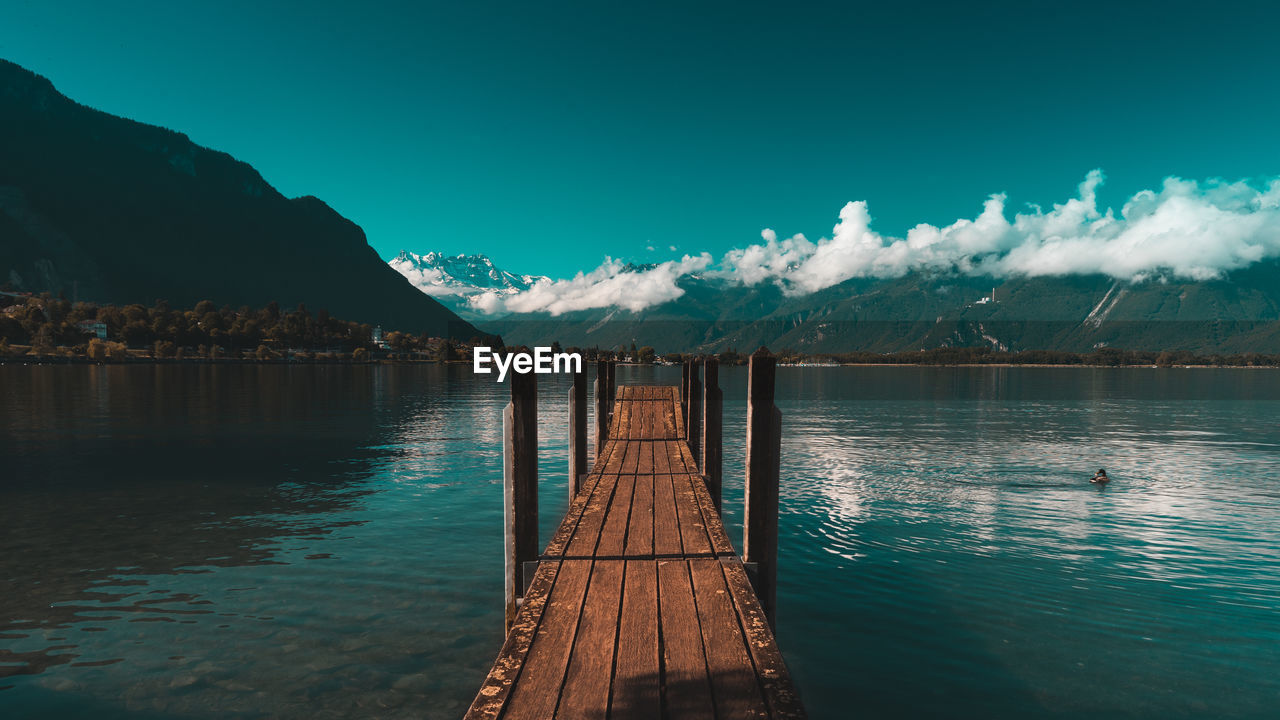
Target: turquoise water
{"points": [[326, 541]]}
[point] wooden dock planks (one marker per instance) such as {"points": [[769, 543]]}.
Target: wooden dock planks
{"points": [[640, 607]]}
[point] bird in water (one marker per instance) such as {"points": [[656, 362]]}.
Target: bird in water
{"points": [[1100, 477]]}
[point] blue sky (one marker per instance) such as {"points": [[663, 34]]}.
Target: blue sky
{"points": [[549, 135]]}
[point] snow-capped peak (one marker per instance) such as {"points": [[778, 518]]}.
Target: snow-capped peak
{"points": [[458, 277]]}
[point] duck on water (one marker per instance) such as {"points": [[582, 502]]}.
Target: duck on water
{"points": [[1100, 477]]}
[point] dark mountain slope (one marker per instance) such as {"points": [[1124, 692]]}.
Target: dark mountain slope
{"points": [[118, 211]]}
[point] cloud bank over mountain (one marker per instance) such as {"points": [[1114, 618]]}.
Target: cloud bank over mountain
{"points": [[613, 284], [1185, 230]]}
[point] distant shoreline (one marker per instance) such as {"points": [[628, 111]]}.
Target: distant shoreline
{"points": [[347, 361], [1035, 365]]}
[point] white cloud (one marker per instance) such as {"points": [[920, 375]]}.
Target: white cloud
{"points": [[1185, 230], [610, 285]]}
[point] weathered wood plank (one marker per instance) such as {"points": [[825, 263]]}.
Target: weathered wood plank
{"points": [[586, 684], [644, 461], [719, 539], [613, 533], [639, 416], [619, 423], [720, 543], [675, 456], [666, 523], [587, 535], [587, 531], [649, 430], [668, 416], [537, 689], [632, 462], [630, 412], [564, 533], [496, 689], [662, 458], [686, 687], [614, 455], [711, 524], [682, 459], [640, 526], [660, 407], [693, 531], [636, 681], [733, 678], [775, 681]]}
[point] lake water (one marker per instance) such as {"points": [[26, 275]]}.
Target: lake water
{"points": [[197, 541]]}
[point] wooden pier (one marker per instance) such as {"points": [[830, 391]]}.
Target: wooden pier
{"points": [[638, 607]]}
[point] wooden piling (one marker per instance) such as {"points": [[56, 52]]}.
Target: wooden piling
{"points": [[760, 516], [602, 406], [684, 392], [612, 386], [520, 486], [711, 460], [577, 431], [694, 425]]}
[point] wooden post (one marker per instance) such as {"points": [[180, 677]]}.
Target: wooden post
{"points": [[602, 406], [712, 425], [613, 385], [577, 431], [694, 424], [520, 486], [684, 392], [760, 516]]}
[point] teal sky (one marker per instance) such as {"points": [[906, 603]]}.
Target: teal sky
{"points": [[548, 135]]}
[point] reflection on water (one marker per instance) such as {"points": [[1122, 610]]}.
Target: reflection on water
{"points": [[190, 541], [942, 534], [302, 542]]}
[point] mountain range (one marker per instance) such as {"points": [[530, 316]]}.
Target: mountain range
{"points": [[1240, 312], [110, 210], [460, 280]]}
